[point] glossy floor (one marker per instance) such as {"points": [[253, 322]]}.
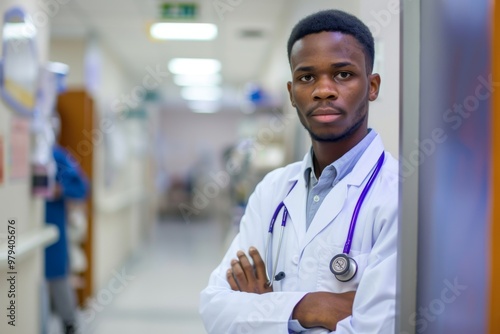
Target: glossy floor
{"points": [[168, 274]]}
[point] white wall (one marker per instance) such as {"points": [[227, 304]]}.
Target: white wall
{"points": [[17, 202], [123, 216], [382, 17], [70, 51]]}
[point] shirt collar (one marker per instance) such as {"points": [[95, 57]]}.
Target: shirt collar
{"points": [[309, 176], [343, 165]]}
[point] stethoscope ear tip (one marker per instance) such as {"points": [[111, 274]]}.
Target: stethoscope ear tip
{"points": [[279, 276]]}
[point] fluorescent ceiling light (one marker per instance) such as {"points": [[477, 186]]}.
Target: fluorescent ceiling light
{"points": [[201, 93], [194, 66], [183, 31], [197, 80], [204, 107], [19, 30], [59, 68]]}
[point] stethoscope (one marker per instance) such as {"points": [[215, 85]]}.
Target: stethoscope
{"points": [[342, 266]]}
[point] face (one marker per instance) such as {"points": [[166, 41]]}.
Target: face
{"points": [[330, 86]]}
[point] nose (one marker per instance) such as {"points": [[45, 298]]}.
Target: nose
{"points": [[325, 89]]}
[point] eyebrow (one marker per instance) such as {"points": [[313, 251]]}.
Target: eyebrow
{"points": [[342, 64], [311, 68]]}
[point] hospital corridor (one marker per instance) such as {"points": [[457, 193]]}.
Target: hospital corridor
{"points": [[249, 166], [178, 257]]}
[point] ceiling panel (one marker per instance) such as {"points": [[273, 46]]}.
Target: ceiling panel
{"points": [[246, 33]]}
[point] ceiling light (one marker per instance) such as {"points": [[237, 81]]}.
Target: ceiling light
{"points": [[194, 66], [197, 80], [59, 68], [183, 31], [201, 93], [19, 30]]}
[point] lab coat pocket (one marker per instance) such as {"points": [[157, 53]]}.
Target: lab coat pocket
{"points": [[327, 280]]}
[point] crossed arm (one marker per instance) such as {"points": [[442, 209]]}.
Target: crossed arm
{"points": [[315, 309]]}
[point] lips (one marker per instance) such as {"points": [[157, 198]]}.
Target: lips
{"points": [[326, 118], [325, 115]]}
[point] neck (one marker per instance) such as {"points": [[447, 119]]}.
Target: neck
{"points": [[327, 152]]}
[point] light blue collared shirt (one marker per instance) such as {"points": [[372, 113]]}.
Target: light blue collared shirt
{"points": [[331, 175]]}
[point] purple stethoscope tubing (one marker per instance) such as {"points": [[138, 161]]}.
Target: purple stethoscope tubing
{"points": [[354, 219], [277, 211], [352, 226], [270, 281]]}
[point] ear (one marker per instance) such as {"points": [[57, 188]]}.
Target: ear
{"points": [[289, 87], [374, 86]]}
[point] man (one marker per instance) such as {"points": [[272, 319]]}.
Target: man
{"points": [[331, 59]]}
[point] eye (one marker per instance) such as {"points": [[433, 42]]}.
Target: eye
{"points": [[344, 75], [306, 78]]}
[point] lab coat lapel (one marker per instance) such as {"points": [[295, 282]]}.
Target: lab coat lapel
{"points": [[295, 204], [327, 212]]}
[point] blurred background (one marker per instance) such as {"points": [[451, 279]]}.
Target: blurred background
{"points": [[170, 127]]}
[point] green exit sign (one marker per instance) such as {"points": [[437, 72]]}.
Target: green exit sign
{"points": [[179, 10]]}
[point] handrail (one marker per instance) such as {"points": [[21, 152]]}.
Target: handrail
{"points": [[118, 201], [29, 241]]}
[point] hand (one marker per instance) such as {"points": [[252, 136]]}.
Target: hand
{"points": [[57, 192], [247, 278], [323, 309]]}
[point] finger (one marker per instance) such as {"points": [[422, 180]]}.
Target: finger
{"points": [[238, 274], [246, 266], [260, 267], [231, 280]]}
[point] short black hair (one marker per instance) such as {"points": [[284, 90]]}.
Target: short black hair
{"points": [[335, 21]]}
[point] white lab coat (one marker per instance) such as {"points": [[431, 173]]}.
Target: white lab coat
{"points": [[305, 255]]}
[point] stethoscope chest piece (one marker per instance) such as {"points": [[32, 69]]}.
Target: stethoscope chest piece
{"points": [[343, 267]]}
